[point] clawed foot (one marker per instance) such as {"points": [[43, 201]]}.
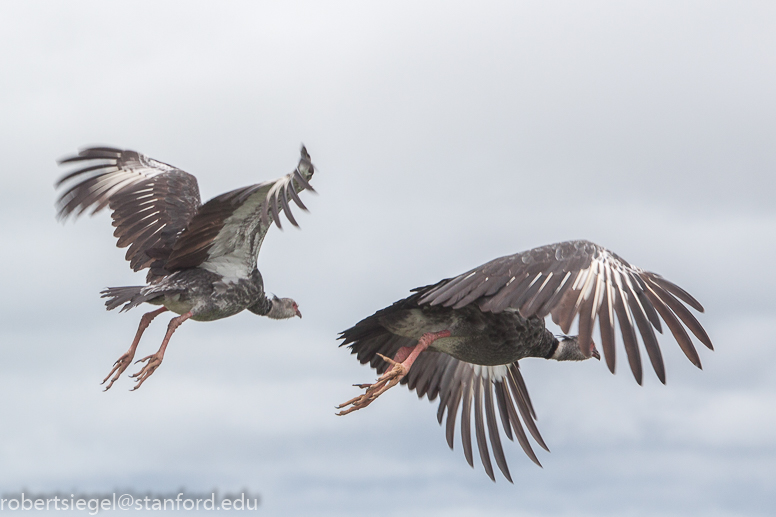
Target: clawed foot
{"points": [[118, 368], [153, 363], [387, 380]]}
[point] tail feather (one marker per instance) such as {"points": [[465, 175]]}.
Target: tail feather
{"points": [[130, 297]]}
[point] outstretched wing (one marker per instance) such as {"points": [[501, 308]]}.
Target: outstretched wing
{"points": [[225, 235], [479, 390], [151, 201], [581, 278]]}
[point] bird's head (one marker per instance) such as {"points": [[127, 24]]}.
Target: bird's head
{"points": [[283, 308], [568, 350]]}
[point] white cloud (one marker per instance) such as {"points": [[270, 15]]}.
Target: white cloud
{"points": [[445, 135]]}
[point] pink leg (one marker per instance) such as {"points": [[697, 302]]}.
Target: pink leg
{"points": [[402, 362], [154, 360], [126, 359], [404, 352]]}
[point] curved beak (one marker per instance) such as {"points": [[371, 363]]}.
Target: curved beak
{"points": [[594, 353], [298, 313]]}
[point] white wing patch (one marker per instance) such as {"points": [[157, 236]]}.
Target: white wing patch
{"points": [[231, 254], [491, 373]]}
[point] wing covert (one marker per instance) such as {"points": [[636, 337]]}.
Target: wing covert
{"points": [[226, 234]]}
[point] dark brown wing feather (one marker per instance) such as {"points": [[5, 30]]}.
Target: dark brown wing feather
{"points": [[579, 279], [151, 201], [226, 233]]}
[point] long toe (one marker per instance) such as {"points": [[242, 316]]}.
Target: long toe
{"points": [[150, 367], [387, 380], [119, 366]]}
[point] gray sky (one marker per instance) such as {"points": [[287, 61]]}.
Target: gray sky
{"points": [[445, 134]]}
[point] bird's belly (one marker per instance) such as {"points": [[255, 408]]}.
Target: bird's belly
{"points": [[214, 312], [174, 303], [467, 342], [413, 324], [201, 312], [476, 351]]}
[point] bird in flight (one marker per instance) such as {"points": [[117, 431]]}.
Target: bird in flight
{"points": [[201, 258], [462, 338]]}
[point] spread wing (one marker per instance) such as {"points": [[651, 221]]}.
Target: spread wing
{"points": [[151, 201], [225, 235], [482, 391], [579, 278]]}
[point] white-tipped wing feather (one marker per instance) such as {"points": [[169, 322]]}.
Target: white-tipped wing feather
{"points": [[581, 279], [151, 201], [226, 234], [484, 391]]}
